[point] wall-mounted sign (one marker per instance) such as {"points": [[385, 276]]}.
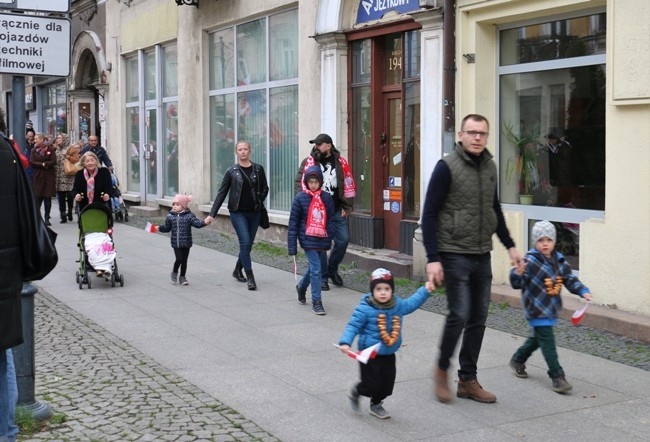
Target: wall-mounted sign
{"points": [[370, 10], [34, 45], [37, 5]]}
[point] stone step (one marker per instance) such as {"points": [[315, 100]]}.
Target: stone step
{"points": [[400, 265], [146, 211]]}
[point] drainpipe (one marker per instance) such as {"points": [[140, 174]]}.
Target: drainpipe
{"points": [[449, 73]]}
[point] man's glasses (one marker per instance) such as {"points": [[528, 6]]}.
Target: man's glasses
{"points": [[474, 133]]}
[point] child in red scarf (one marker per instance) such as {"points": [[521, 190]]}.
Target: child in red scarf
{"points": [[308, 224]]}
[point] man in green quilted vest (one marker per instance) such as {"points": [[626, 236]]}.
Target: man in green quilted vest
{"points": [[461, 213]]}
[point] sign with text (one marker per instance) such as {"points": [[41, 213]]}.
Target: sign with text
{"points": [[37, 5], [375, 9], [31, 45]]}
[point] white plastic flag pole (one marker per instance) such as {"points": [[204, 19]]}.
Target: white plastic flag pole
{"points": [[295, 268]]}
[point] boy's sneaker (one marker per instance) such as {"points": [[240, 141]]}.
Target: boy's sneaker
{"points": [[353, 395], [560, 385], [302, 295], [174, 277], [317, 308], [182, 281], [378, 410], [519, 368]]}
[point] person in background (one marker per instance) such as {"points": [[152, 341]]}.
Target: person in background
{"points": [[379, 319], [92, 183], [309, 224], [11, 283], [43, 162], [64, 182], [94, 147], [461, 213], [29, 145], [245, 184], [179, 222], [339, 183], [540, 277]]}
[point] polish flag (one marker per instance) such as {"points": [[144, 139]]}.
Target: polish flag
{"points": [[151, 228], [364, 355], [579, 315]]}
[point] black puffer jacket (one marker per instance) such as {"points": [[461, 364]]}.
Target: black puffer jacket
{"points": [[231, 186], [180, 224], [11, 329]]}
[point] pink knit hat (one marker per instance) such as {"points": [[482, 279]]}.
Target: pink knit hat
{"points": [[183, 200]]}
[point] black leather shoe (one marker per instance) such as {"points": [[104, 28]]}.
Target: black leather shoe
{"points": [[336, 279], [324, 287]]}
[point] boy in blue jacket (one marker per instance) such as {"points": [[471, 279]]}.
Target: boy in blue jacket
{"points": [[540, 278], [378, 319], [309, 223]]}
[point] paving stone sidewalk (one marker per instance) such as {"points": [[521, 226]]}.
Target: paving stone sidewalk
{"points": [[109, 391]]}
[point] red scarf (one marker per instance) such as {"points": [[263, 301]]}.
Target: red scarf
{"points": [[349, 186], [316, 215], [90, 181]]}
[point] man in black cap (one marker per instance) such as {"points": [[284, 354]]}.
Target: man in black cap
{"points": [[338, 182]]}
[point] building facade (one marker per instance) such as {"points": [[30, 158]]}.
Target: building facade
{"points": [[564, 84]]}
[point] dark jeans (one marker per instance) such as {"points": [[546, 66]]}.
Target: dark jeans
{"points": [[245, 225], [377, 378], [341, 239], [40, 200], [544, 338], [468, 280], [181, 253], [62, 198]]}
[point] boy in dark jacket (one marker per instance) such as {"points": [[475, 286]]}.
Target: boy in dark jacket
{"points": [[540, 278], [180, 222], [309, 223], [378, 319]]}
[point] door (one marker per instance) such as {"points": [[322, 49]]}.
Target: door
{"points": [[391, 157]]}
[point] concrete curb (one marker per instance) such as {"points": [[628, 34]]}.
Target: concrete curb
{"points": [[598, 316]]}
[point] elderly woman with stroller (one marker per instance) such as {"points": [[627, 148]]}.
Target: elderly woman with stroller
{"points": [[92, 183]]}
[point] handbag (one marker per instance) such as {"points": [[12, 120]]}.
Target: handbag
{"points": [[70, 168], [39, 255], [264, 218]]}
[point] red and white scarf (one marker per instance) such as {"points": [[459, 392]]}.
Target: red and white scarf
{"points": [[349, 186], [316, 215], [90, 181]]}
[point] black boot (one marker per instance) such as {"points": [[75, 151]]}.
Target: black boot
{"points": [[237, 273], [251, 280], [63, 218], [70, 214]]}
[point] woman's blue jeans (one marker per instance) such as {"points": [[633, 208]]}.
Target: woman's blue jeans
{"points": [[245, 225], [468, 282], [8, 397], [312, 275]]}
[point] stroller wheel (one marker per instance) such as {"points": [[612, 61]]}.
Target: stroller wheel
{"points": [[112, 279], [126, 216], [90, 283], [121, 280], [77, 276], [80, 281]]}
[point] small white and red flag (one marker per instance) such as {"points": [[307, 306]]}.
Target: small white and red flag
{"points": [[295, 268], [364, 355], [579, 315], [151, 228]]}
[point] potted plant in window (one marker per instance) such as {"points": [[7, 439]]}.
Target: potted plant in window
{"points": [[523, 164]]}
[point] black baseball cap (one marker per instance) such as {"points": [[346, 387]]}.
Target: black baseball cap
{"points": [[322, 138]]}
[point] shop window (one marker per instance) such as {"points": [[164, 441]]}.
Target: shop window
{"points": [[551, 126], [261, 105], [361, 114], [54, 109], [152, 124]]}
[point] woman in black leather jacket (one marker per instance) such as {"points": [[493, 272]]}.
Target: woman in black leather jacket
{"points": [[246, 186]]}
